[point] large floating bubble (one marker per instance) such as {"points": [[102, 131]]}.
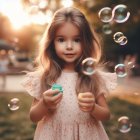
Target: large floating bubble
{"points": [[88, 66], [120, 13], [124, 124], [14, 104], [120, 70], [105, 14]]}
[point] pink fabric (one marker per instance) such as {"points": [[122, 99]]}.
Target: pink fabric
{"points": [[68, 122], [31, 83]]}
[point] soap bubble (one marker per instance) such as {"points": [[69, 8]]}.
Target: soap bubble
{"points": [[120, 38], [124, 124], [88, 66], [105, 14], [14, 104], [107, 29], [120, 70], [117, 36], [123, 40], [120, 13]]}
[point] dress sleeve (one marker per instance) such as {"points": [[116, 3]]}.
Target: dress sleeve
{"points": [[31, 83], [108, 82]]}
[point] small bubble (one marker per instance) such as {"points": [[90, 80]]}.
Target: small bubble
{"points": [[107, 29], [120, 70], [14, 104], [124, 124], [105, 14], [123, 40], [117, 37]]}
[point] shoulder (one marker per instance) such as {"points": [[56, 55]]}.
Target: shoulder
{"points": [[104, 75], [32, 83], [33, 74], [32, 77], [109, 79]]}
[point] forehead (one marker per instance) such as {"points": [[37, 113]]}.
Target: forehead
{"points": [[67, 29]]}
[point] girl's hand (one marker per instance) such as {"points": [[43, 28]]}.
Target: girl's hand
{"points": [[86, 101], [51, 98]]}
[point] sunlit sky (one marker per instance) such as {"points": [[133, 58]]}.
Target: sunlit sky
{"points": [[13, 9], [18, 17]]}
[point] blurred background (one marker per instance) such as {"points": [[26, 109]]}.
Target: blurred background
{"points": [[22, 24]]}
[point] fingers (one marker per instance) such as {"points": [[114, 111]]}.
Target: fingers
{"points": [[86, 101], [50, 100], [54, 94], [58, 100], [85, 104], [85, 95], [85, 109], [51, 92]]}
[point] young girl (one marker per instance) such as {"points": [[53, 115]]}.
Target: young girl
{"points": [[75, 114]]}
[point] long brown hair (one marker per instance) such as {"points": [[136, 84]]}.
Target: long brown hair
{"points": [[52, 66]]}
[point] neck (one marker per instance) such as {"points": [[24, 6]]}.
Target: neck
{"points": [[69, 68]]}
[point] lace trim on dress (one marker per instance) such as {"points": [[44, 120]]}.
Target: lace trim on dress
{"points": [[109, 81], [31, 84]]}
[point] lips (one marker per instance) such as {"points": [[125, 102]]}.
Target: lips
{"points": [[69, 55]]}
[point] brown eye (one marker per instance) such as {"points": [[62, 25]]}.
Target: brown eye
{"points": [[77, 40], [60, 39]]}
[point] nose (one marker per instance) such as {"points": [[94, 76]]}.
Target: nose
{"points": [[69, 45]]}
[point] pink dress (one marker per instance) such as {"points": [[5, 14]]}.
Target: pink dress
{"points": [[68, 122]]}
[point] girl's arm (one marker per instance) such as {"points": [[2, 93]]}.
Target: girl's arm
{"points": [[101, 110], [38, 110], [42, 107]]}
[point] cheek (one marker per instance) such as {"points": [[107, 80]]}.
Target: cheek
{"points": [[58, 50], [80, 50], [60, 44]]}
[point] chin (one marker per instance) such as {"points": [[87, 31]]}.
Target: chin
{"points": [[70, 60]]}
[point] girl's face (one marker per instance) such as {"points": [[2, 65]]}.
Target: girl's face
{"points": [[68, 45]]}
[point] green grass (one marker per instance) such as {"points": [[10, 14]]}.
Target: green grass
{"points": [[16, 125], [121, 107]]}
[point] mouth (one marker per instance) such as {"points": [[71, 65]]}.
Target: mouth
{"points": [[69, 55]]}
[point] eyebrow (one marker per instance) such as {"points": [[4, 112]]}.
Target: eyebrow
{"points": [[64, 36]]}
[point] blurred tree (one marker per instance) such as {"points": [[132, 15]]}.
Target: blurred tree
{"points": [[5, 27]]}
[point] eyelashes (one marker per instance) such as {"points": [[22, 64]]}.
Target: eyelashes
{"points": [[62, 40]]}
